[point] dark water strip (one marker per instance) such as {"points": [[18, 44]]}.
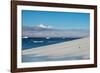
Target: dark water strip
{"points": [[28, 43]]}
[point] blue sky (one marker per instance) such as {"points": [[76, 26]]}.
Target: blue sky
{"points": [[58, 20]]}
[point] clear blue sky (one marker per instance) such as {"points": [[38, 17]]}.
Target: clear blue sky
{"points": [[59, 20]]}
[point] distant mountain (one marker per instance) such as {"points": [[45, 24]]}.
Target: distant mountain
{"points": [[48, 31], [40, 27], [44, 26]]}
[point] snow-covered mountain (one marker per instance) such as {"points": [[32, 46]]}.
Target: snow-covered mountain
{"points": [[48, 31], [40, 27], [44, 26]]}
